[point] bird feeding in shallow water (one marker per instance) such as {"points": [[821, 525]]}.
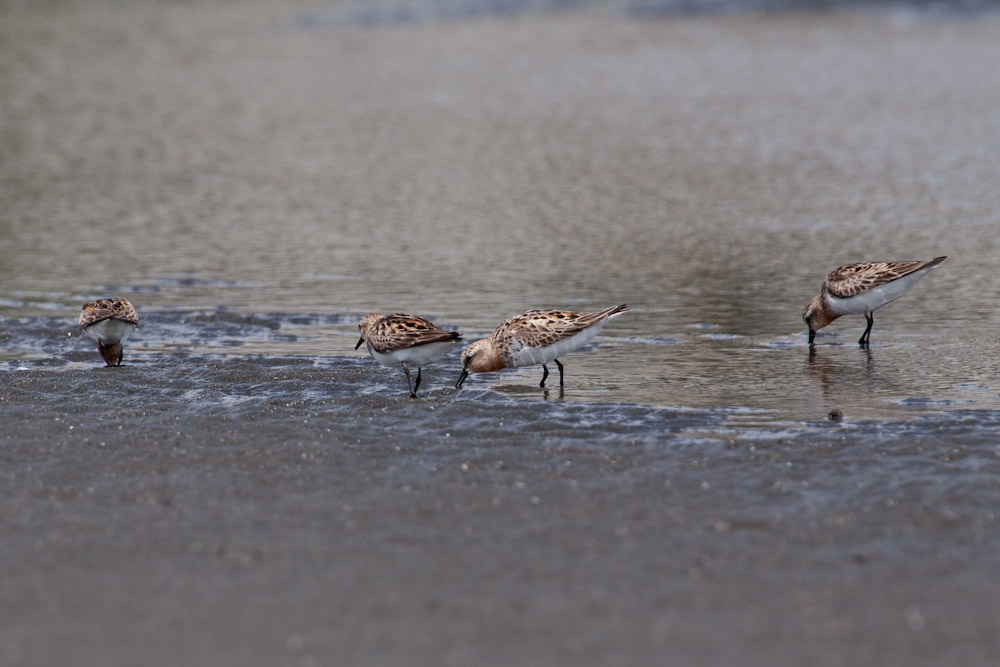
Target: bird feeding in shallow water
{"points": [[863, 288], [406, 340], [535, 337], [108, 322]]}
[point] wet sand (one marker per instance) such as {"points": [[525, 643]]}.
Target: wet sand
{"points": [[266, 519], [255, 175]]}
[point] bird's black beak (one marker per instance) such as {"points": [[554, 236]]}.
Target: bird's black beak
{"points": [[461, 379], [360, 342], [812, 335]]}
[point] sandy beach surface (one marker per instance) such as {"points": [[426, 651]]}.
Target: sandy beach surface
{"points": [[261, 519]]}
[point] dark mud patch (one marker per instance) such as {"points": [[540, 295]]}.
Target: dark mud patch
{"points": [[282, 510]]}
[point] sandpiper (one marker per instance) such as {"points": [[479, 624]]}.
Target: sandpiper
{"points": [[863, 288], [536, 337], [109, 322], [405, 339]]}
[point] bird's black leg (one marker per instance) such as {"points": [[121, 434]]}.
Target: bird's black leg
{"points": [[867, 335], [545, 374], [413, 394], [417, 385], [112, 354], [560, 371]]}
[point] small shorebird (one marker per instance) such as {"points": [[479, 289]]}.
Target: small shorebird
{"points": [[109, 322], [863, 288], [536, 337], [402, 339]]}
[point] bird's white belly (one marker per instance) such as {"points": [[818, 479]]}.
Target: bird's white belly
{"points": [[529, 356], [420, 355], [109, 332], [871, 300]]}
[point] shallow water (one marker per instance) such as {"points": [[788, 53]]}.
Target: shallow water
{"points": [[707, 171], [765, 380], [256, 176]]}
